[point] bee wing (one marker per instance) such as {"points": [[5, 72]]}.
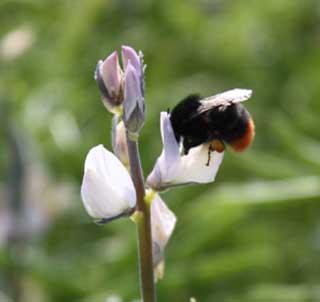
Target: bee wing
{"points": [[224, 99]]}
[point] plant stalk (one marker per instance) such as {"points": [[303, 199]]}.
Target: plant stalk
{"points": [[147, 285]]}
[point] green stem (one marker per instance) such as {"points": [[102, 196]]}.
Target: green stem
{"points": [[143, 225]]}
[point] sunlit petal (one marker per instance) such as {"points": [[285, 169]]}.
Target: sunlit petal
{"points": [[173, 169], [107, 189], [130, 55], [163, 222]]}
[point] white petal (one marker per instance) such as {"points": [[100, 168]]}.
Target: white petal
{"points": [[167, 164], [173, 169], [163, 222], [96, 197], [154, 179], [170, 158], [194, 167], [107, 189]]}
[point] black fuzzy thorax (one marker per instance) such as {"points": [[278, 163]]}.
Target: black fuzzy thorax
{"points": [[186, 124]]}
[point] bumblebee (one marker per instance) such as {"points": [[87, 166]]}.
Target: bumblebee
{"points": [[217, 120]]}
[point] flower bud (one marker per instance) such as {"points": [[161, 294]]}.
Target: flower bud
{"points": [[109, 78], [173, 169], [119, 141], [133, 105], [130, 55], [136, 60], [107, 190]]}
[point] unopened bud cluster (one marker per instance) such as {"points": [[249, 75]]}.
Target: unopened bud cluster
{"points": [[122, 90]]}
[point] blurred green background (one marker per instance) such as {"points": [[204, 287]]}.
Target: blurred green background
{"points": [[253, 235]]}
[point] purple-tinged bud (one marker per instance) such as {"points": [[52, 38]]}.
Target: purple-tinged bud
{"points": [[133, 104], [136, 60], [130, 55], [109, 78], [119, 141]]}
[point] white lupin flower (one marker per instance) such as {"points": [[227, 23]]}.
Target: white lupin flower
{"points": [[107, 190], [163, 222], [172, 168]]}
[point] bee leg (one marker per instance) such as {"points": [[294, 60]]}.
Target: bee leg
{"points": [[185, 146], [218, 145], [210, 149], [185, 151]]}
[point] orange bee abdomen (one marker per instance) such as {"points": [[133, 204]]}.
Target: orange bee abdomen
{"points": [[242, 143]]}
